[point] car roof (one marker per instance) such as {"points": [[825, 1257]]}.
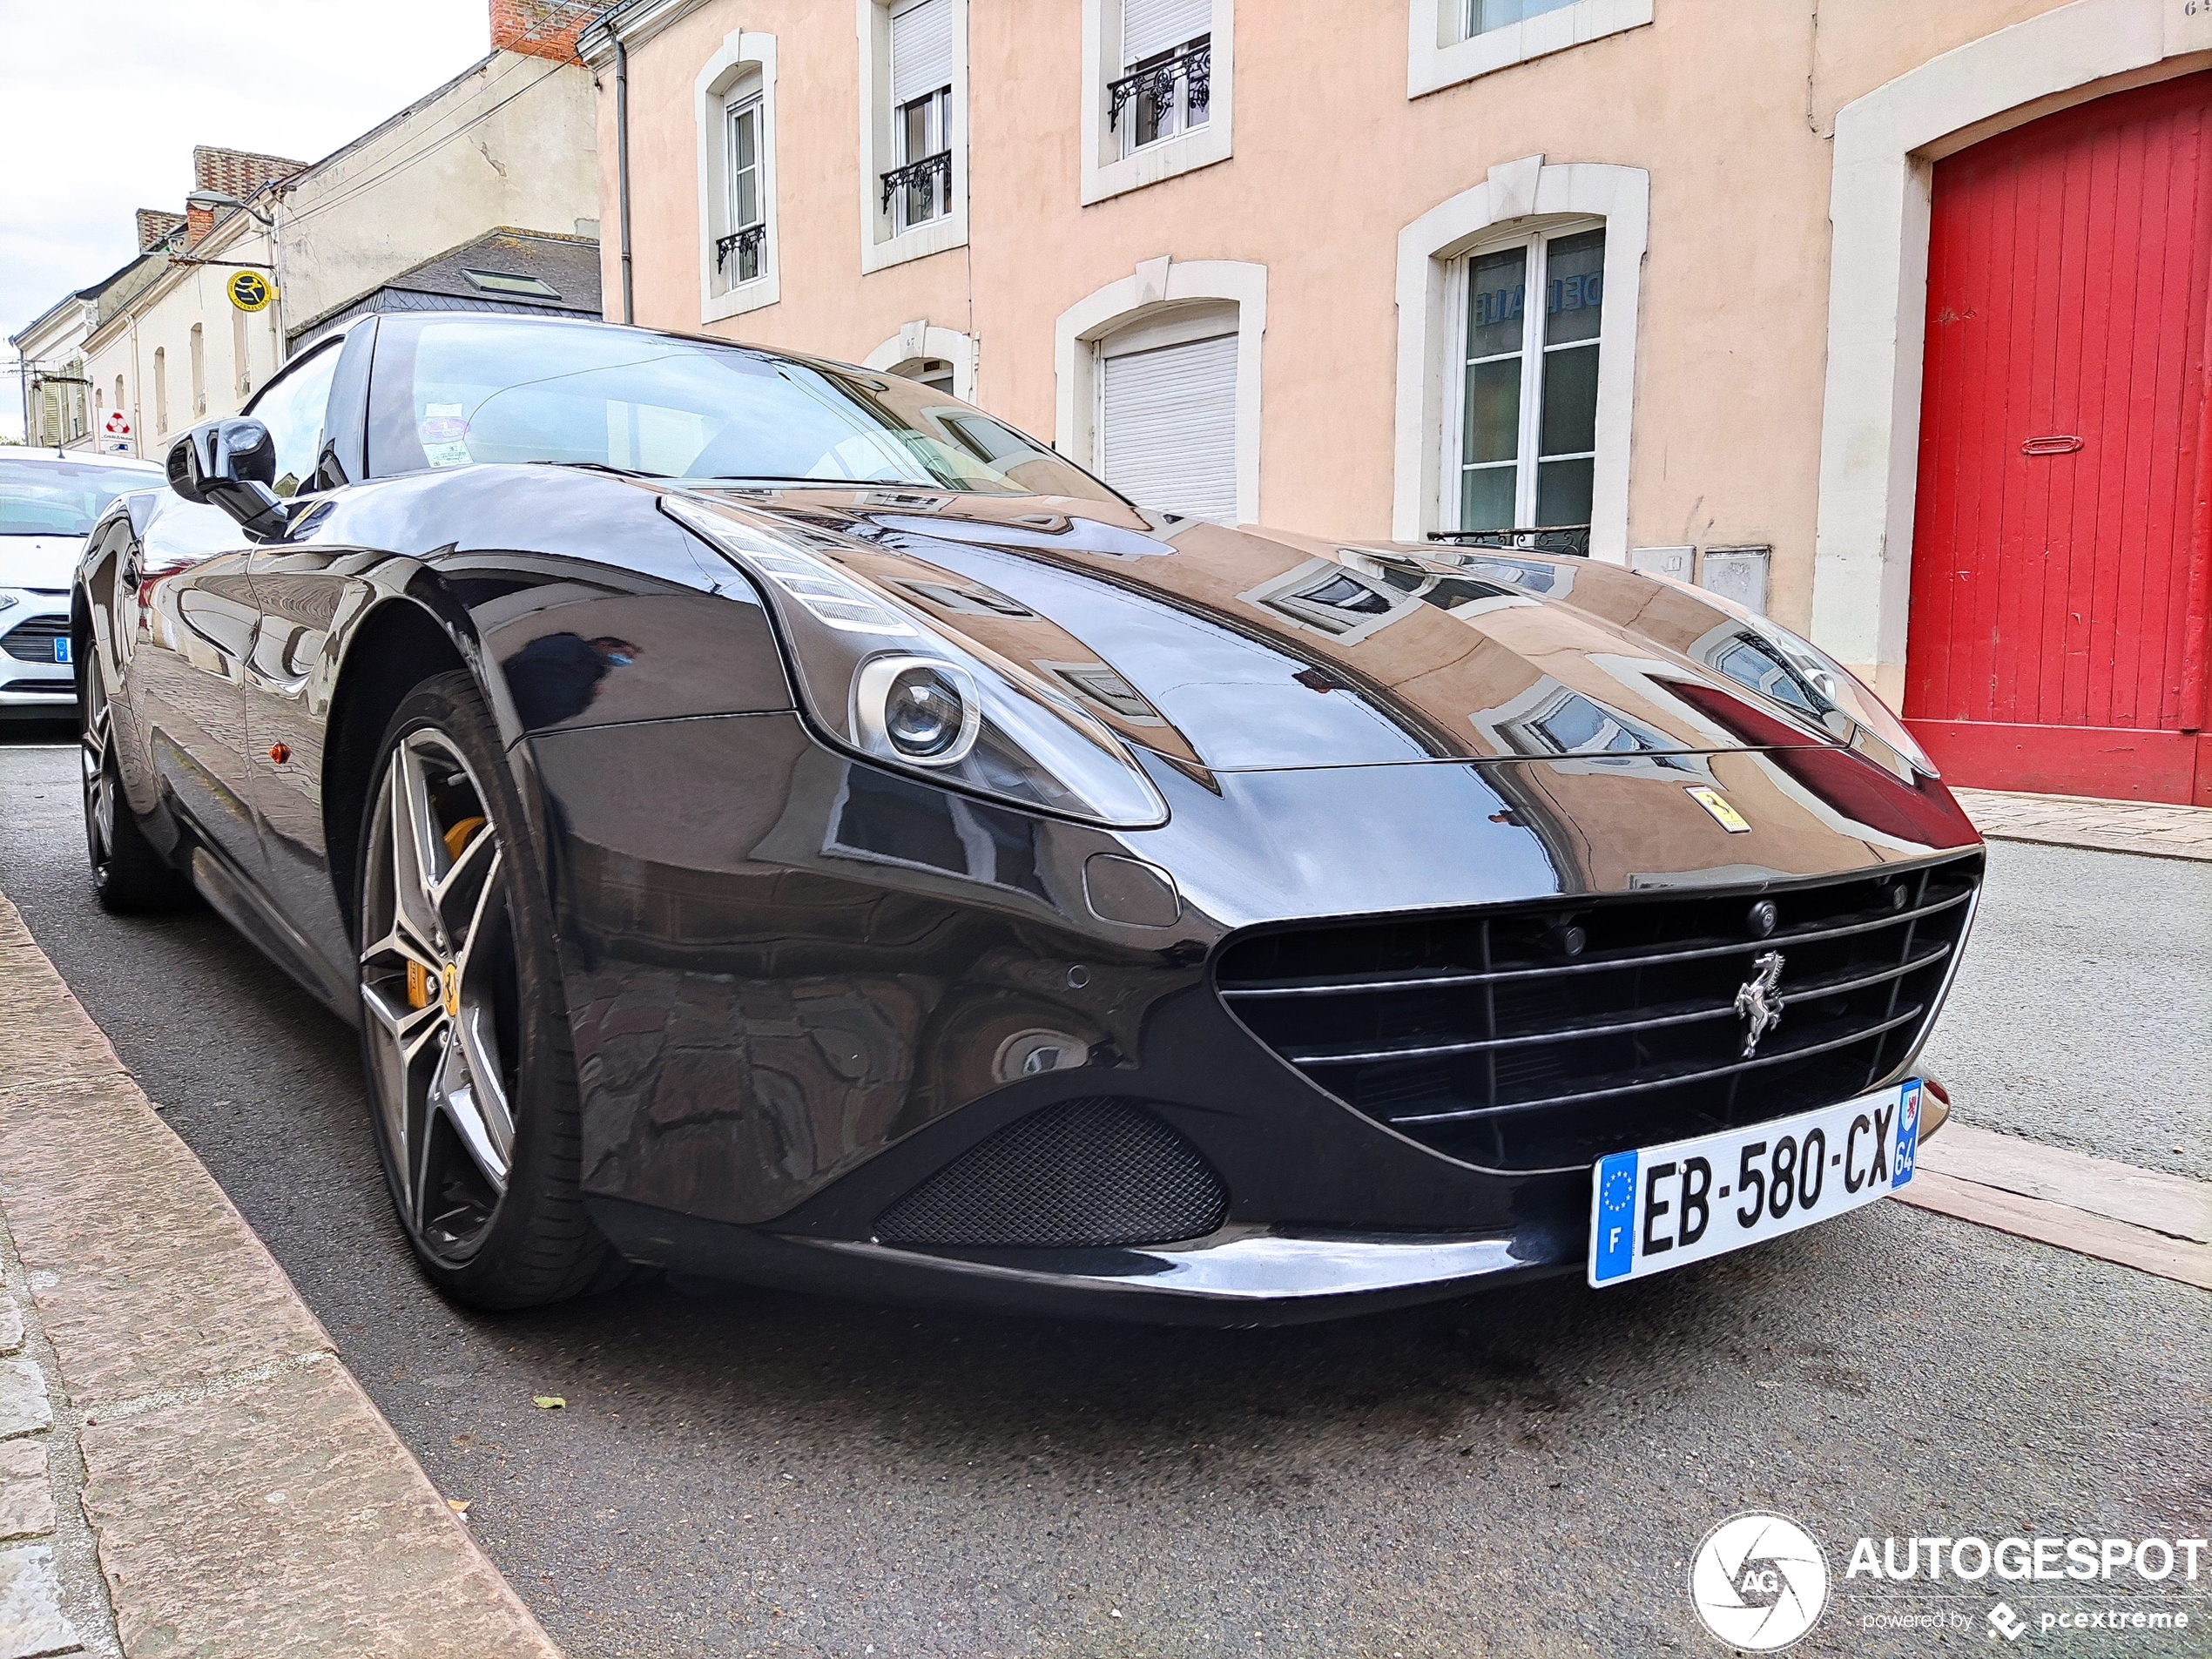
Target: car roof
{"points": [[79, 458], [551, 320]]}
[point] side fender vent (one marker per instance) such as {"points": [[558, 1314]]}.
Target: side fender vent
{"points": [[1085, 1174]]}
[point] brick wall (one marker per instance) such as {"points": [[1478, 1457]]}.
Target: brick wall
{"points": [[541, 28]]}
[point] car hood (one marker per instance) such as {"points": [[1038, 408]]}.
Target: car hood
{"points": [[1255, 649], [39, 561]]}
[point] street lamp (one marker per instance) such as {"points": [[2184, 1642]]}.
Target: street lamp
{"points": [[211, 200]]}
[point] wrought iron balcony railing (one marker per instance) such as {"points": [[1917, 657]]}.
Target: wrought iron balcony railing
{"points": [[744, 243], [1191, 64], [1570, 539], [932, 173]]}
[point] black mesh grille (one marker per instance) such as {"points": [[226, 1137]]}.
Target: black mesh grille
{"points": [[1084, 1174], [32, 641], [1544, 1036]]}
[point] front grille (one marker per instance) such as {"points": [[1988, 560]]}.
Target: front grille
{"points": [[32, 639], [1085, 1174], [1545, 1037]]}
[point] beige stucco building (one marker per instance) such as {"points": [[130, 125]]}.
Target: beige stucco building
{"points": [[1267, 262], [505, 146]]}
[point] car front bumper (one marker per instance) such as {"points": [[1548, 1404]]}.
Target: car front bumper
{"points": [[786, 1025], [34, 684], [1242, 1275]]}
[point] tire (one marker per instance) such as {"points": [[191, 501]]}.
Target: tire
{"points": [[465, 1049], [129, 877]]}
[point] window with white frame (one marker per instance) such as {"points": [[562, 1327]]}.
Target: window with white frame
{"points": [[1453, 41], [918, 187], [1164, 88], [1522, 437], [738, 250], [734, 112]]}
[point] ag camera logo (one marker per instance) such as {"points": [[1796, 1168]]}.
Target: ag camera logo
{"points": [[1758, 1582]]}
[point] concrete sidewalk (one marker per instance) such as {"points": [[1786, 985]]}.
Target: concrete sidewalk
{"points": [[2150, 828], [171, 1405]]}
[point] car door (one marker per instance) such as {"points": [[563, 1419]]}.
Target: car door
{"points": [[296, 596]]}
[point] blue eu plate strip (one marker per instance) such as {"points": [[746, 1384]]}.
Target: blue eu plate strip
{"points": [[1616, 1217], [1908, 1135]]}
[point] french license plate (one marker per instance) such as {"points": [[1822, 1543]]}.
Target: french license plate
{"points": [[61, 648], [1668, 1206]]}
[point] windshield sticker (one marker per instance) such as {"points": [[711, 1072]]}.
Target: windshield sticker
{"points": [[444, 432]]}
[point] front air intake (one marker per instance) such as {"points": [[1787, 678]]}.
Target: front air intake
{"points": [[1085, 1174]]}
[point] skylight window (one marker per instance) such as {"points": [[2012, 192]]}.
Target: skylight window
{"points": [[506, 282]]}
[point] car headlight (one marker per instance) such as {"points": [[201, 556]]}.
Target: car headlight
{"points": [[1829, 694], [876, 677]]}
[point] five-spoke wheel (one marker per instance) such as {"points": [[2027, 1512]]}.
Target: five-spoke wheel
{"points": [[438, 987], [465, 1047]]}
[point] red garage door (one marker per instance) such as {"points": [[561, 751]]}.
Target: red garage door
{"points": [[2062, 544]]}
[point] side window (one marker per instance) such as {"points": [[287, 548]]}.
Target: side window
{"points": [[291, 407]]}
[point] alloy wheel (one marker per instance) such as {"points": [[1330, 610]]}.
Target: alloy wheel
{"points": [[439, 990]]}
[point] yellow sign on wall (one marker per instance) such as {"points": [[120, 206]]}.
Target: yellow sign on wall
{"points": [[250, 290]]}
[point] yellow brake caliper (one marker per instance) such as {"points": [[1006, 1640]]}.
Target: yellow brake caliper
{"points": [[418, 977]]}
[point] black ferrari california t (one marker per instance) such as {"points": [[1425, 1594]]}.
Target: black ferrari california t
{"points": [[769, 818]]}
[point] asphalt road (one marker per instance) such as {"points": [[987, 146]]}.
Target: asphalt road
{"points": [[745, 1472]]}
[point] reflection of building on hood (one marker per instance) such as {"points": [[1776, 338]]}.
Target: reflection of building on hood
{"points": [[554, 678]]}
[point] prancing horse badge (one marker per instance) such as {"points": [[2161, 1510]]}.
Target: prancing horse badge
{"points": [[1723, 814]]}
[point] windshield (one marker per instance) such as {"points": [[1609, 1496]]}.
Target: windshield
{"points": [[62, 497], [450, 393]]}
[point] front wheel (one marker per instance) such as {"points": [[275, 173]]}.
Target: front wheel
{"points": [[470, 1073]]}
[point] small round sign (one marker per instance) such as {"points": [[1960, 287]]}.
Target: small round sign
{"points": [[250, 290], [1758, 1582]]}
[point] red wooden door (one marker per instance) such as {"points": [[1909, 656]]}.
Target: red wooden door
{"points": [[2062, 540]]}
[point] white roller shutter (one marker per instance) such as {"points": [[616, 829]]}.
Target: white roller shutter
{"points": [[1167, 433], [921, 49], [1152, 26]]}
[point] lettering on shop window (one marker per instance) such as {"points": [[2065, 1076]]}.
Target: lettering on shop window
{"points": [[1494, 305]]}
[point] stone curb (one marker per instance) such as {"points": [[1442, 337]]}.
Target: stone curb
{"points": [[247, 1497]]}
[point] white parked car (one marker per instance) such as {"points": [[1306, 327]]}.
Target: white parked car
{"points": [[48, 500]]}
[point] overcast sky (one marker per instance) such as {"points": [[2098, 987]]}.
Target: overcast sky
{"points": [[105, 98]]}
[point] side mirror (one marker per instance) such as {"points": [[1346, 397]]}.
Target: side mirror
{"points": [[231, 463]]}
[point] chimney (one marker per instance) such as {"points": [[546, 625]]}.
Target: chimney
{"points": [[155, 226], [198, 222], [540, 28], [237, 173]]}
